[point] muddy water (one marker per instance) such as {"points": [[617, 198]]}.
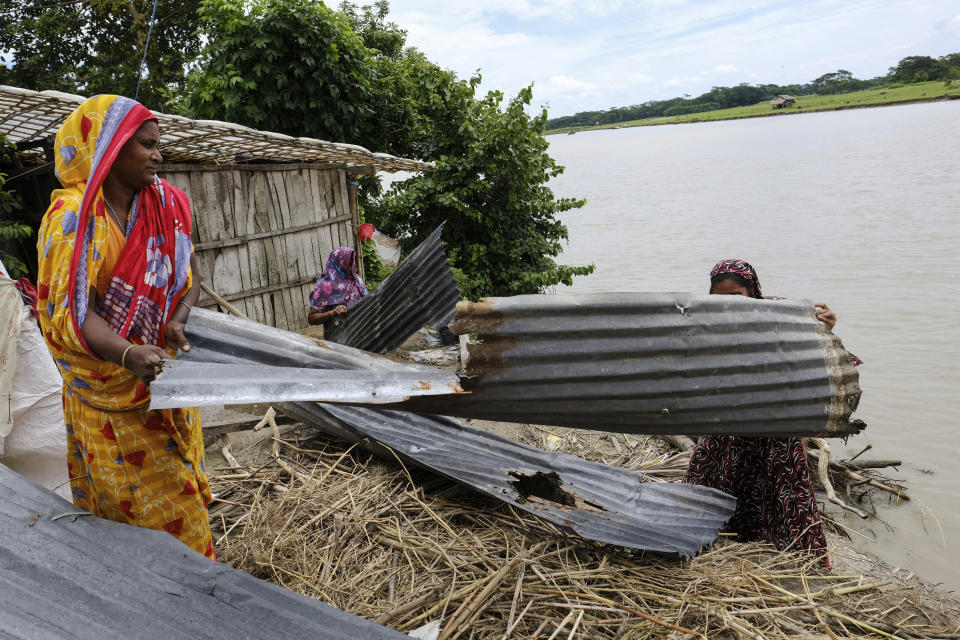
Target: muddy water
{"points": [[860, 210]]}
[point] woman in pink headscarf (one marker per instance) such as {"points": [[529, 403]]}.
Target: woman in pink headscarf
{"points": [[337, 288], [768, 476]]}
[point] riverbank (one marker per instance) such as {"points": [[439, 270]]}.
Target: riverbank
{"points": [[876, 97]]}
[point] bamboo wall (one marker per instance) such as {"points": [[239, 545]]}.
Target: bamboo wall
{"points": [[262, 233]]}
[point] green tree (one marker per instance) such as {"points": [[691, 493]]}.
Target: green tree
{"points": [[297, 67], [12, 229], [96, 46], [839, 81], [918, 69], [384, 38], [490, 187], [492, 172], [293, 66]]}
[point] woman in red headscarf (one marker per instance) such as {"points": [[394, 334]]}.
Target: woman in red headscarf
{"points": [[768, 476], [115, 289]]}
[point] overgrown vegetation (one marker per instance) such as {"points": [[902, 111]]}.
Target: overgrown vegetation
{"points": [[96, 46], [911, 69], [11, 228], [301, 68], [293, 66]]}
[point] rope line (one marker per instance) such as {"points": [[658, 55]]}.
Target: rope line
{"points": [[146, 48]]}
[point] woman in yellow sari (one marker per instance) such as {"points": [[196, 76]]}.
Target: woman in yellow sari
{"points": [[115, 289]]}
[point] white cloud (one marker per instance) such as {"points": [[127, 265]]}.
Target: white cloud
{"points": [[566, 82], [590, 54], [684, 81], [639, 78]]}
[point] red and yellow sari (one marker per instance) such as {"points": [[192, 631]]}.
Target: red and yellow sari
{"points": [[126, 463]]}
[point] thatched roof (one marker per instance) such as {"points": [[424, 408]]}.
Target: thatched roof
{"points": [[32, 116], [783, 98]]}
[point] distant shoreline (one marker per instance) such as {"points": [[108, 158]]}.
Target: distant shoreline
{"points": [[706, 117]]}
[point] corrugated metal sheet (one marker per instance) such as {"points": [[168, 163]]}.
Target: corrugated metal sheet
{"points": [[421, 291], [237, 361], [660, 363], [85, 578], [608, 504], [596, 501]]}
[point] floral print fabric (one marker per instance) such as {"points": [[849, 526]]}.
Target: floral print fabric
{"points": [[339, 283], [126, 463], [771, 482], [740, 268]]}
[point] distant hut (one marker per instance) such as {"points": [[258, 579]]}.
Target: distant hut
{"points": [[783, 102]]}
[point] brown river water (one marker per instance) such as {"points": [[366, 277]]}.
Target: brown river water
{"points": [[858, 209]]}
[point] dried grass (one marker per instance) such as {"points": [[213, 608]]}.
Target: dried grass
{"points": [[405, 547]]}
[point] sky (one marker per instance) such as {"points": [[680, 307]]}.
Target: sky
{"points": [[596, 54]]}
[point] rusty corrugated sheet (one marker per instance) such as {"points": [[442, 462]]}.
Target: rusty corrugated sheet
{"points": [[596, 501], [421, 291], [656, 363], [237, 361], [85, 578]]}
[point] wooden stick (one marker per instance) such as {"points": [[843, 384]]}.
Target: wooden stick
{"points": [[683, 443], [220, 301], [576, 625], [466, 611], [562, 624], [228, 456], [413, 605], [636, 612], [823, 464]]}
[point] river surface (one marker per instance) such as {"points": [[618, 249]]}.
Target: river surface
{"points": [[858, 209]]}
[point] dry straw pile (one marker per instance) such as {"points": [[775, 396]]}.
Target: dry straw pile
{"points": [[405, 547]]}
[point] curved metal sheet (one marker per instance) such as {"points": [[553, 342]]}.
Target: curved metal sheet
{"points": [[421, 291], [237, 361], [606, 504], [657, 363], [596, 501]]}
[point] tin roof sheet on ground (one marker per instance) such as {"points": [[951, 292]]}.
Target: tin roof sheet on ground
{"points": [[27, 116], [85, 578], [421, 291], [596, 501], [656, 363]]}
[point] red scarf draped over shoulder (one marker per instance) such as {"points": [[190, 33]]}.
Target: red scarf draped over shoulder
{"points": [[150, 275]]}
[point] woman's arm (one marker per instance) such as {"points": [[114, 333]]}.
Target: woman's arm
{"points": [[323, 317], [178, 317], [142, 359]]}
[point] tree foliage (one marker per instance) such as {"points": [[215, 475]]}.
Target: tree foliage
{"points": [[925, 68], [11, 228], [491, 188], [297, 67], [96, 46], [293, 66]]}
